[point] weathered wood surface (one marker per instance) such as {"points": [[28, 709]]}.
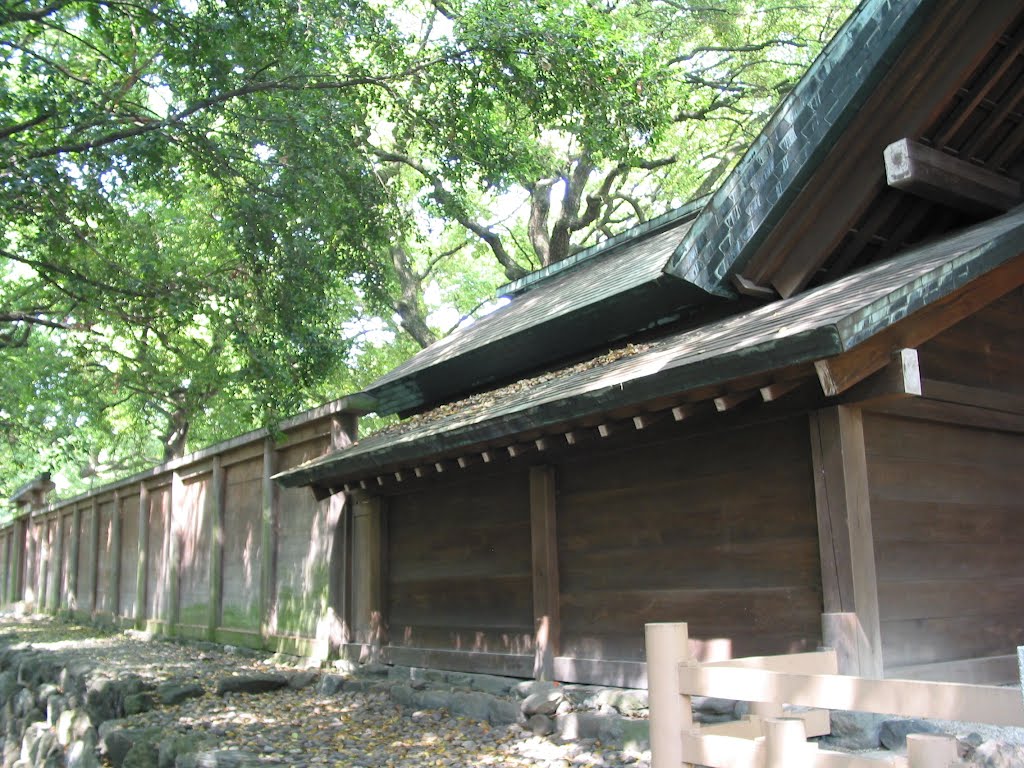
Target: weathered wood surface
{"points": [[715, 529], [943, 178], [946, 503], [460, 565], [194, 552], [242, 544], [129, 559]]}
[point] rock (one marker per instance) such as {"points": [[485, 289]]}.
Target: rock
{"points": [[854, 730], [55, 704], [8, 685], [256, 683], [170, 694], [82, 754], [223, 758], [117, 740], [143, 754], [330, 685], [103, 699], [893, 733], [540, 725], [475, 705], [36, 742], [636, 735], [525, 688], [503, 712], [492, 684], [404, 695], [374, 670], [44, 692], [433, 699], [136, 703], [713, 705], [299, 680], [998, 754], [365, 686], [542, 703], [171, 747], [629, 702], [73, 725], [585, 725], [24, 702], [345, 667]]}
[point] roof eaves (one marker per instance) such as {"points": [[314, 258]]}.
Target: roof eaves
{"points": [[799, 135], [806, 346]]}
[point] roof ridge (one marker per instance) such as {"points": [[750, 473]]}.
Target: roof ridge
{"points": [[686, 212]]}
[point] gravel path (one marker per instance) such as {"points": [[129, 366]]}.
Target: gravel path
{"points": [[303, 727]]}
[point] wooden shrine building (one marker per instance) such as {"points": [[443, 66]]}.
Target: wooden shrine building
{"points": [[789, 414]]}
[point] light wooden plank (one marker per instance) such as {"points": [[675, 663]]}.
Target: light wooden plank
{"points": [[912, 698], [268, 550], [815, 662], [943, 178]]}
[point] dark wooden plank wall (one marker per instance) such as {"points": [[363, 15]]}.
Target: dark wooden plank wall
{"points": [[243, 517], [459, 562], [947, 502], [946, 511], [717, 530], [985, 350], [129, 554], [86, 560], [159, 513], [67, 532], [194, 552], [106, 598], [304, 551]]}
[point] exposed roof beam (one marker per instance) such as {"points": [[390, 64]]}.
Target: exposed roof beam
{"points": [[729, 401], [778, 389], [900, 379], [943, 178]]}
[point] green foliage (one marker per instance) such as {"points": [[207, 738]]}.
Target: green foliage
{"points": [[215, 212]]}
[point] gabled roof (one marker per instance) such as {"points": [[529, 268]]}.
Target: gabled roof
{"points": [[614, 292], [809, 201], [807, 204], [820, 323]]}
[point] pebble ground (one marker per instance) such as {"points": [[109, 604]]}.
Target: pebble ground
{"points": [[303, 727]]}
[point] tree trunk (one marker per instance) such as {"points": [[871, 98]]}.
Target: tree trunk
{"points": [[409, 304]]}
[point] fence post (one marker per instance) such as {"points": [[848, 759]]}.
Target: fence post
{"points": [[668, 646], [785, 743], [930, 750]]}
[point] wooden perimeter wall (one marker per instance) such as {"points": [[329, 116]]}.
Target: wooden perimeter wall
{"points": [[947, 501]]}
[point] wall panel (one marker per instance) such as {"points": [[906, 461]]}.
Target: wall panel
{"points": [[718, 530], [459, 565]]}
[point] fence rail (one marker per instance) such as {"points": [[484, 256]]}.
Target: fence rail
{"points": [[768, 739]]}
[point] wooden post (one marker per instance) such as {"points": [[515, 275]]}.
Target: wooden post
{"points": [[215, 516], [17, 581], [927, 750], [668, 646], [368, 564], [268, 549], [339, 602], [344, 429], [94, 547], [173, 549], [115, 554], [56, 574], [142, 572], [40, 533], [846, 544], [785, 743], [76, 549], [543, 520]]}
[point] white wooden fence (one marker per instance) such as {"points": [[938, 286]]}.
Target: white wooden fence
{"points": [[767, 739]]}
